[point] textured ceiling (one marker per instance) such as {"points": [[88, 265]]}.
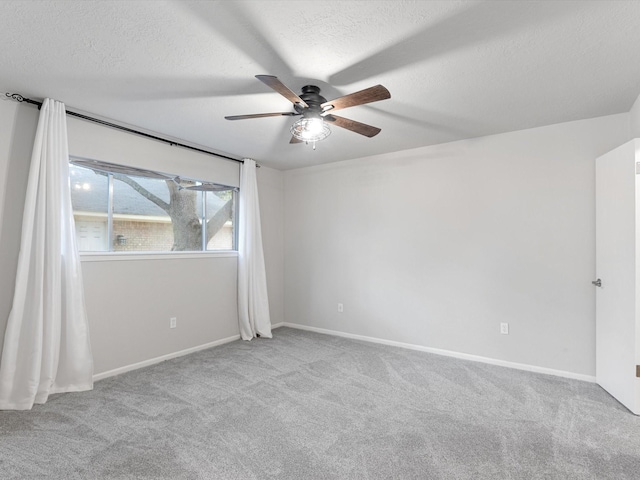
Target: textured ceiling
{"points": [[455, 69]]}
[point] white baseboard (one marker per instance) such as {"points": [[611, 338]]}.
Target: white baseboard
{"points": [[448, 353], [169, 356], [437, 351]]}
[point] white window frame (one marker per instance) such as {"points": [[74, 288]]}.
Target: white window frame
{"points": [[111, 168]]}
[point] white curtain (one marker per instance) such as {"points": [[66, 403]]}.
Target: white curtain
{"points": [[253, 304], [46, 345]]}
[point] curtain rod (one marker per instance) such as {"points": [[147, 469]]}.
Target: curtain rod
{"points": [[19, 98]]}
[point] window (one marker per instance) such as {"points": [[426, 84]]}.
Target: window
{"points": [[120, 209]]}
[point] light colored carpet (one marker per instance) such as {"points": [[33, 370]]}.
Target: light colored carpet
{"points": [[310, 406]]}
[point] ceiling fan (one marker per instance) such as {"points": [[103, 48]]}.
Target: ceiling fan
{"points": [[317, 112]]}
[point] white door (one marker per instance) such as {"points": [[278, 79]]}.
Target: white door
{"points": [[616, 269]]}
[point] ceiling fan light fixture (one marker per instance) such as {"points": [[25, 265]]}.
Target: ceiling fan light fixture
{"points": [[314, 109], [310, 129]]}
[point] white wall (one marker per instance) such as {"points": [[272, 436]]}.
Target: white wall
{"points": [[17, 131], [634, 119], [129, 301], [271, 197], [437, 246], [93, 141]]}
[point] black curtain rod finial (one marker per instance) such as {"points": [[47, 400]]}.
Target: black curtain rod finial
{"points": [[15, 96], [19, 98]]}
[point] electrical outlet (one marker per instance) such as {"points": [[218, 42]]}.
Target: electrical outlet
{"points": [[504, 328], [172, 322], [340, 308]]}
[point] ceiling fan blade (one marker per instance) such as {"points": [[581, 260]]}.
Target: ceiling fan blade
{"points": [[294, 140], [261, 115], [281, 88], [368, 95], [361, 128]]}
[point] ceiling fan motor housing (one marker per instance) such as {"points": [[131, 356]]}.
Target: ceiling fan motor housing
{"points": [[311, 96]]}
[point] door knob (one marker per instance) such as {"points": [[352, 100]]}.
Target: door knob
{"points": [[597, 283]]}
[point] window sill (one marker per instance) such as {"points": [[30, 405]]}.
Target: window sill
{"points": [[132, 256]]}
